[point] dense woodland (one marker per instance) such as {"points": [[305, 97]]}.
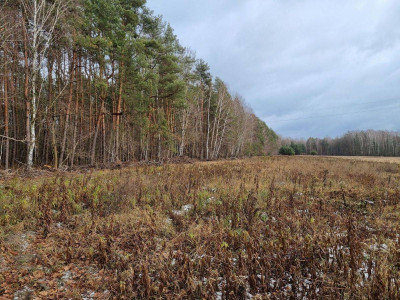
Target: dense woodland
{"points": [[87, 82], [360, 143]]}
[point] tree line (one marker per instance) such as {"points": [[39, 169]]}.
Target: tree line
{"points": [[353, 143], [101, 81]]}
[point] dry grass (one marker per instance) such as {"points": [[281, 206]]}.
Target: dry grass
{"points": [[270, 228], [371, 158]]}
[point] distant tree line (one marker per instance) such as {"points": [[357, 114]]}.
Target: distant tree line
{"points": [[99, 81], [353, 143]]}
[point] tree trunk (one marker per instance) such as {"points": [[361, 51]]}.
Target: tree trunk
{"points": [[26, 94], [119, 112], [6, 113], [208, 127], [68, 112], [93, 155], [76, 117]]}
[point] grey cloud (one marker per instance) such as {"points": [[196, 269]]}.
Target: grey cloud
{"points": [[294, 60]]}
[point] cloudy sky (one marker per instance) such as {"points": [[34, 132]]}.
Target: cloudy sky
{"points": [[307, 68]]}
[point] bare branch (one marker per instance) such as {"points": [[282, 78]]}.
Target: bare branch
{"points": [[12, 139]]}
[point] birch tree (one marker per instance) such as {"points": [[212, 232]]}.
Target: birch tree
{"points": [[41, 18]]}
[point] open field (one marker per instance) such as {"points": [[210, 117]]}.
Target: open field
{"points": [[268, 228], [371, 158]]}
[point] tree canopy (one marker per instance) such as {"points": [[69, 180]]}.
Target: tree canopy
{"points": [[99, 81]]}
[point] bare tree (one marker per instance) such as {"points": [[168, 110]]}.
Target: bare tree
{"points": [[42, 18]]}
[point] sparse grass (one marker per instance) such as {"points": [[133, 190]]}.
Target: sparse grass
{"points": [[273, 227]]}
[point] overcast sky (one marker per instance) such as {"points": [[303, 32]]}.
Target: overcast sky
{"points": [[307, 68]]}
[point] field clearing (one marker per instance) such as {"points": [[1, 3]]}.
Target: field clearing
{"points": [[263, 228], [371, 158]]}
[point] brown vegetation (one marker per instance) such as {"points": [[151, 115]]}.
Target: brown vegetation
{"points": [[273, 227], [373, 158]]}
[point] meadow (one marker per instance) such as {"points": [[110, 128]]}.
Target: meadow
{"points": [[371, 158], [262, 228]]}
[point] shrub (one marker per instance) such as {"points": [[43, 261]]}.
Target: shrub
{"points": [[314, 152], [286, 150], [298, 148]]}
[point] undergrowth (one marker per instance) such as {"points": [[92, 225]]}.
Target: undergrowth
{"points": [[269, 228]]}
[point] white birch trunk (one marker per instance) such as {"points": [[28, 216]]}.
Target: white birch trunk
{"points": [[44, 17]]}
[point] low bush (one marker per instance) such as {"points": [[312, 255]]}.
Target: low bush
{"points": [[286, 150]]}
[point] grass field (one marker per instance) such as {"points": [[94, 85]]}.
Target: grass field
{"points": [[372, 158], [262, 228]]}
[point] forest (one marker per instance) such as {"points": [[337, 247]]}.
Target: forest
{"points": [[89, 82], [353, 143]]}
